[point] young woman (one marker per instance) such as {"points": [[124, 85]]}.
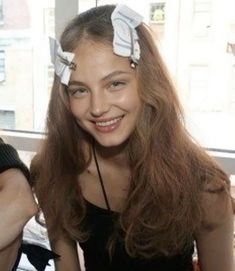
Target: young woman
{"points": [[118, 171]]}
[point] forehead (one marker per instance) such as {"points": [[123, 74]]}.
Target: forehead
{"points": [[97, 59]]}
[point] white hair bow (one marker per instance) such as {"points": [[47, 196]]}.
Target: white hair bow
{"points": [[62, 61], [125, 41]]}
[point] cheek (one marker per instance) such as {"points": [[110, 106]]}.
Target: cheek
{"points": [[134, 102], [130, 100], [77, 109]]}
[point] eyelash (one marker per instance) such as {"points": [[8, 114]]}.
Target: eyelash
{"points": [[79, 91], [117, 84]]}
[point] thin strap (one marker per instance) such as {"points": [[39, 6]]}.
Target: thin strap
{"points": [[100, 178]]}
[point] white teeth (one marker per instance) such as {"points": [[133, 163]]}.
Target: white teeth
{"points": [[107, 123]]}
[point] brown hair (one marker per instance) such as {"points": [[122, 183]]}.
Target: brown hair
{"points": [[169, 170]]}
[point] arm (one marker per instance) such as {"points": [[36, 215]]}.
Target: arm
{"points": [[17, 205], [8, 255], [215, 246], [68, 255]]}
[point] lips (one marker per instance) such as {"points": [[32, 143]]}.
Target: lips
{"points": [[108, 125]]}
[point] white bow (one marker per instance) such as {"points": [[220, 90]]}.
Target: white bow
{"points": [[62, 61], [125, 41]]}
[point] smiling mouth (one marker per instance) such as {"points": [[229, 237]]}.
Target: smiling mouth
{"points": [[108, 123]]}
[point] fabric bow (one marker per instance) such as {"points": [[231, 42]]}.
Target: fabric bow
{"points": [[125, 41], [62, 61]]}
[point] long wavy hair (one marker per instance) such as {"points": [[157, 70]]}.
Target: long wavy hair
{"points": [[169, 171]]}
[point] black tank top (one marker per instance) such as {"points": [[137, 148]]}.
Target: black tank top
{"points": [[100, 223]]}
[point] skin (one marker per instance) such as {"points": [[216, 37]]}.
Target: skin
{"points": [[9, 255], [69, 258], [215, 248], [17, 206], [104, 89]]}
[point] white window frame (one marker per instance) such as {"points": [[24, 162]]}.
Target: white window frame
{"points": [[9, 114], [2, 65], [202, 8], [1, 13]]}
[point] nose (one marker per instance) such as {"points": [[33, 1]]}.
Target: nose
{"points": [[99, 104]]}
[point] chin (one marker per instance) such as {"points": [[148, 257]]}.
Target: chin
{"points": [[110, 143]]}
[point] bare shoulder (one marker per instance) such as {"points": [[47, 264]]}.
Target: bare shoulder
{"points": [[216, 204], [214, 238]]}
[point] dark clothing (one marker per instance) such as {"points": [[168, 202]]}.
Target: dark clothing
{"points": [[100, 222], [9, 158], [38, 256]]}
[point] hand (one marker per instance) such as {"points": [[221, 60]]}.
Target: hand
{"points": [[17, 205]]}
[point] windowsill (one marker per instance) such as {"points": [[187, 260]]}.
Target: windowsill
{"points": [[28, 141], [22, 140]]}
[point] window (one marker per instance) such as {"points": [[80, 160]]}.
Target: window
{"points": [[198, 86], [49, 21], [7, 119], [157, 12], [2, 66], [202, 11], [210, 104], [24, 61], [1, 11], [157, 19]]}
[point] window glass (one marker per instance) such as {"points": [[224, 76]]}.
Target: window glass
{"points": [[7, 119], [2, 66], [157, 12], [25, 75], [202, 16]]}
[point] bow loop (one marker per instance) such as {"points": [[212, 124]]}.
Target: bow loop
{"points": [[125, 41], [63, 61]]}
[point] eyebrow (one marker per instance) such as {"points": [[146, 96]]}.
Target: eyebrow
{"points": [[105, 78]]}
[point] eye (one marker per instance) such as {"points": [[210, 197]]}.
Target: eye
{"points": [[117, 84], [77, 92]]}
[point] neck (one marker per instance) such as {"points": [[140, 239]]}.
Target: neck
{"points": [[116, 155]]}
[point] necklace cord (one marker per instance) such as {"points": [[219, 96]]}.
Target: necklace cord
{"points": [[100, 178]]}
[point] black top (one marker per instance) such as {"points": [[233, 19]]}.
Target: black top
{"points": [[9, 158], [100, 223]]}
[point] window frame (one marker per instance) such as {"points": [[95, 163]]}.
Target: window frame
{"points": [[1, 13], [2, 65]]}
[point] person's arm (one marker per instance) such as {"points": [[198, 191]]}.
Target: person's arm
{"points": [[8, 255], [17, 205], [215, 246], [68, 255]]}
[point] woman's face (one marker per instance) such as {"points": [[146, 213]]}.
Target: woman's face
{"points": [[103, 94]]}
